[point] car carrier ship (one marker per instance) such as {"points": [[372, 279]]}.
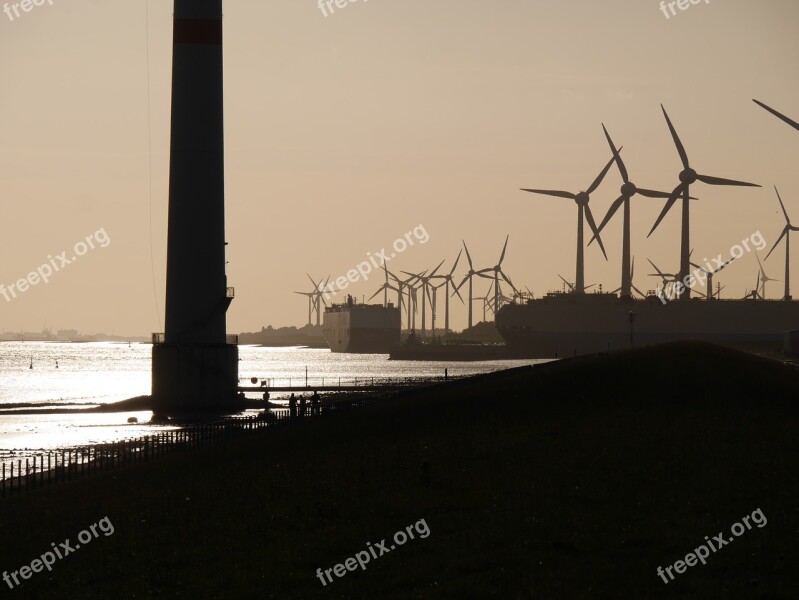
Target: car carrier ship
{"points": [[566, 323], [362, 328]]}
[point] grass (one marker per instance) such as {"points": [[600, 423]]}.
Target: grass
{"points": [[574, 479]]}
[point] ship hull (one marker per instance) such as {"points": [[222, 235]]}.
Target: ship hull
{"points": [[362, 329], [568, 324]]}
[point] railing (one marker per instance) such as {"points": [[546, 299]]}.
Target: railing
{"points": [[159, 338], [47, 467], [309, 383]]}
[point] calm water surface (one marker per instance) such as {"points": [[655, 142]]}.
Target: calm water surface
{"points": [[98, 373]]}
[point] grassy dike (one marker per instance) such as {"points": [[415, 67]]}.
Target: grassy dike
{"points": [[570, 480]]}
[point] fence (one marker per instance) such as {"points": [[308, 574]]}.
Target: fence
{"points": [[48, 467]]}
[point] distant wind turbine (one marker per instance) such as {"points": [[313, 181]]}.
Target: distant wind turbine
{"points": [[497, 270], [448, 280], [468, 277]]}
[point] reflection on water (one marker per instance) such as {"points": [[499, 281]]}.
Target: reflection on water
{"points": [[98, 373]]}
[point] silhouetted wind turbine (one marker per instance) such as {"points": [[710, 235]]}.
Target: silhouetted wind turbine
{"points": [[583, 211], [687, 177], [425, 281], [468, 277], [497, 269], [311, 303], [786, 233], [319, 297], [790, 122], [448, 280], [628, 190], [710, 273], [763, 277]]}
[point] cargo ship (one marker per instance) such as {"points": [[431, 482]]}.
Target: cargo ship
{"points": [[566, 323], [362, 328]]}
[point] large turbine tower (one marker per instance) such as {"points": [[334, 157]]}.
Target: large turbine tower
{"points": [[688, 176], [583, 213], [194, 367]]}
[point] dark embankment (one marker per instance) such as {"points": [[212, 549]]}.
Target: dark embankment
{"points": [[569, 480]]}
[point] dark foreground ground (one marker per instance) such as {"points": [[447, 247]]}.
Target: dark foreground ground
{"points": [[571, 480]]}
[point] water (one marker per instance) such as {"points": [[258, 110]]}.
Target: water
{"points": [[99, 373]]}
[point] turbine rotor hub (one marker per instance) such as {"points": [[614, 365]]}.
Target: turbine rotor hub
{"points": [[582, 198], [688, 176], [628, 189]]}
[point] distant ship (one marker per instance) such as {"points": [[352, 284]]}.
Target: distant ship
{"points": [[565, 324], [362, 328]]}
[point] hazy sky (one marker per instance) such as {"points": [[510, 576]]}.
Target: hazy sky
{"points": [[344, 132]]}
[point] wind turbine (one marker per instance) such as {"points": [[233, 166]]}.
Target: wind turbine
{"points": [[687, 177], [497, 269], [448, 280], [583, 212], [413, 283], [424, 279], [628, 190], [311, 303], [755, 293], [319, 297], [666, 278], [710, 273], [790, 122], [786, 233], [468, 277], [763, 277]]}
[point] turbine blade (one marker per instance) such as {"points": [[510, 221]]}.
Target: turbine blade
{"points": [[436, 269], [676, 138], [787, 219], [790, 122], [590, 218], [455, 266], [779, 239], [669, 203], [468, 256], [601, 176], [557, 193], [611, 211], [505, 247], [720, 181], [616, 156], [509, 282], [652, 193]]}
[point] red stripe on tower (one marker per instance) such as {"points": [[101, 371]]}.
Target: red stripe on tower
{"points": [[198, 31]]}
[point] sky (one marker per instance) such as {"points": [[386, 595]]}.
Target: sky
{"points": [[345, 132]]}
